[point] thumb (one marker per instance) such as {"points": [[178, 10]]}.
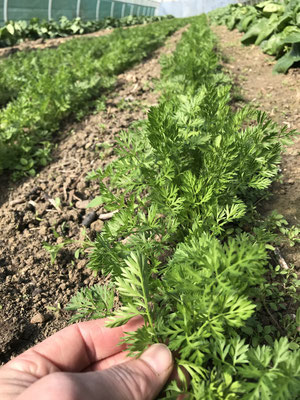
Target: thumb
{"points": [[138, 379]]}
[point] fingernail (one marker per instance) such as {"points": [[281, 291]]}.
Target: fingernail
{"points": [[159, 357]]}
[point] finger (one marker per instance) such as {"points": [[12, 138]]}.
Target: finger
{"points": [[109, 362], [74, 348], [137, 379]]}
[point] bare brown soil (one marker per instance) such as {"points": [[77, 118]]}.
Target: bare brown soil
{"points": [[34, 292], [279, 96]]}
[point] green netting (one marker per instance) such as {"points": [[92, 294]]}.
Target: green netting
{"points": [[36, 8], [135, 9], [68, 8], [117, 10], [88, 9], [105, 9], [127, 9], [27, 9], [1, 11]]}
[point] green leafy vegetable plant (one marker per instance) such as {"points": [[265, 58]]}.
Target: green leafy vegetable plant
{"points": [[274, 25]]}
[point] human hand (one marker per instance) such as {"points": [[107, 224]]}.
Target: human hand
{"points": [[85, 362]]}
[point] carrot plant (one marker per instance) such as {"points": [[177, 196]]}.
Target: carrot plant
{"points": [[185, 184]]}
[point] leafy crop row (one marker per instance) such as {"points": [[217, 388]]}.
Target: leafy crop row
{"points": [[17, 31], [184, 187], [39, 89], [274, 25]]}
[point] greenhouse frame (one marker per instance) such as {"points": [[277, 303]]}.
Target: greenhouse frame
{"points": [[85, 9]]}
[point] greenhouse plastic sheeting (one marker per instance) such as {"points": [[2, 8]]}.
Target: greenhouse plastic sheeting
{"points": [[188, 8], [85, 9]]}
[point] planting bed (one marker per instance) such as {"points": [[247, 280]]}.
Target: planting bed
{"points": [[47, 43], [29, 283]]}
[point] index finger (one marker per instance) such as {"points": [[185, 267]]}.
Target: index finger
{"points": [[75, 348]]}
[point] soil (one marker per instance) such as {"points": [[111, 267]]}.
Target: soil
{"points": [[279, 96], [51, 207]]}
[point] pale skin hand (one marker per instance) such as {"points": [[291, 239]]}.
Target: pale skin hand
{"points": [[85, 362]]}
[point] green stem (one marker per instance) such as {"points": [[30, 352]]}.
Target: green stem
{"points": [[146, 301]]}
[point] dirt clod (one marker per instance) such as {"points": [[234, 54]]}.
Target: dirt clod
{"points": [[40, 318], [97, 225]]}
